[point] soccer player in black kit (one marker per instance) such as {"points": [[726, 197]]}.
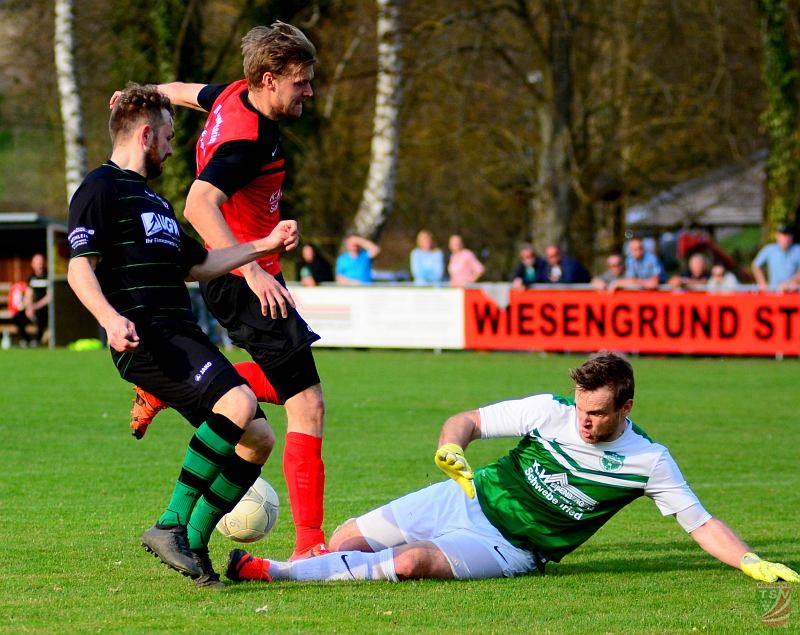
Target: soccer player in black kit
{"points": [[129, 261]]}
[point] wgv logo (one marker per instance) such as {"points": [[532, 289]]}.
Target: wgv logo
{"points": [[159, 224]]}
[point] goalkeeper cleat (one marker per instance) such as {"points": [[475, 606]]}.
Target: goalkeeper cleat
{"points": [[145, 407], [319, 549], [208, 578], [170, 545], [242, 566]]}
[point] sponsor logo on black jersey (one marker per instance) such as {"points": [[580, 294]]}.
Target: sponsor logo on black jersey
{"points": [[160, 229], [80, 237]]}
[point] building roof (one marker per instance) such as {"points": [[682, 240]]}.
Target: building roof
{"points": [[728, 197], [29, 220]]}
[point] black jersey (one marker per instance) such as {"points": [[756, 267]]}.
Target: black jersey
{"points": [[145, 255]]}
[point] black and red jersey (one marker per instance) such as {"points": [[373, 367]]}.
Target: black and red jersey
{"points": [[239, 152]]}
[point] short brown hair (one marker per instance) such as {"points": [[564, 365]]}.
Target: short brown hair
{"points": [[606, 369], [278, 49], [135, 105]]}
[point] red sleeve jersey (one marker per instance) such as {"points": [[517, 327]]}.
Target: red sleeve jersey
{"points": [[240, 153]]}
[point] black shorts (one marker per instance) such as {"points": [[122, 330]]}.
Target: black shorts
{"points": [[280, 346], [179, 365]]}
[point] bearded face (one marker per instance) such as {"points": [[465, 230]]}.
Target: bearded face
{"points": [[159, 148]]}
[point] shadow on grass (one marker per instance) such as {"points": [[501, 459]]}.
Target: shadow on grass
{"points": [[661, 556]]}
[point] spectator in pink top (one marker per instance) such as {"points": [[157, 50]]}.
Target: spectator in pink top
{"points": [[464, 267]]}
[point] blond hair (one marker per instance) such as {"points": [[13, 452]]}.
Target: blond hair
{"points": [[279, 49]]}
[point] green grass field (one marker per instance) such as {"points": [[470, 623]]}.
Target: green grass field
{"points": [[77, 491]]}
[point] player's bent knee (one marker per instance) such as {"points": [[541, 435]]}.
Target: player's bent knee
{"points": [[257, 442], [421, 560], [238, 404], [347, 537]]}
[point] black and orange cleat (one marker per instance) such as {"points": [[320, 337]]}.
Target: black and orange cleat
{"points": [[145, 407]]}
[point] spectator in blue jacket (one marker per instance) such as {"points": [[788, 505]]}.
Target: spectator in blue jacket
{"points": [[354, 265], [426, 260], [564, 269]]}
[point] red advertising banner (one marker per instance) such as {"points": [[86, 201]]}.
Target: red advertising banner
{"points": [[635, 321]]}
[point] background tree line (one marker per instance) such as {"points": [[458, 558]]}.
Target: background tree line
{"points": [[516, 119]]}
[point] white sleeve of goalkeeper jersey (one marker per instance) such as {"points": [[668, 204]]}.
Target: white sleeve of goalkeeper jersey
{"points": [[692, 517], [672, 494]]}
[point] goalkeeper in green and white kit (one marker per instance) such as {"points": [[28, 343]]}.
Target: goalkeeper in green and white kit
{"points": [[579, 462]]}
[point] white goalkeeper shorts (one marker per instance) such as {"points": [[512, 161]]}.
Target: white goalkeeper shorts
{"points": [[442, 514]]}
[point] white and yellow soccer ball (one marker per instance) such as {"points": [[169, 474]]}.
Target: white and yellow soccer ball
{"points": [[254, 515]]}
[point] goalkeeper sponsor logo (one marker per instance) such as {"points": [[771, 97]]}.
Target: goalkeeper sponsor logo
{"points": [[554, 487], [774, 602]]}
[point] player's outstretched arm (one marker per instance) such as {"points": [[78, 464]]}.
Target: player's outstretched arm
{"points": [[720, 541], [284, 237], [179, 93], [183, 94]]}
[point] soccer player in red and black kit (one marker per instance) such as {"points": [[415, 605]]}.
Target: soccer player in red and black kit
{"points": [[128, 262], [236, 195]]}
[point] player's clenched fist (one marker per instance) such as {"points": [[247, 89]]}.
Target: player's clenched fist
{"points": [[766, 571], [450, 459]]}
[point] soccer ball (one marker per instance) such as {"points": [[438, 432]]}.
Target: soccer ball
{"points": [[254, 515]]}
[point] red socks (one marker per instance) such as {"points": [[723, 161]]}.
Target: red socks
{"points": [[265, 391], [302, 467], [305, 479]]}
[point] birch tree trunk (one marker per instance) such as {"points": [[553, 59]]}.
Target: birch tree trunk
{"points": [[69, 97], [376, 201]]}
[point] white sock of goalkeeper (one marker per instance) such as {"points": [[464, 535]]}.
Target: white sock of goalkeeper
{"points": [[338, 565]]}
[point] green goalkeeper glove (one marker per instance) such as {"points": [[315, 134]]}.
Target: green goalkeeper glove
{"points": [[765, 571], [450, 459]]}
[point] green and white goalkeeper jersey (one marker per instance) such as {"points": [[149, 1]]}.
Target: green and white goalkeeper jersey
{"points": [[553, 491]]}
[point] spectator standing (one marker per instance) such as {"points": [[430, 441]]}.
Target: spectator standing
{"points": [[721, 279], [782, 259], [313, 269], [615, 271], [35, 303], [643, 269], [426, 260], [696, 274], [354, 265], [564, 269], [530, 268], [464, 267]]}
